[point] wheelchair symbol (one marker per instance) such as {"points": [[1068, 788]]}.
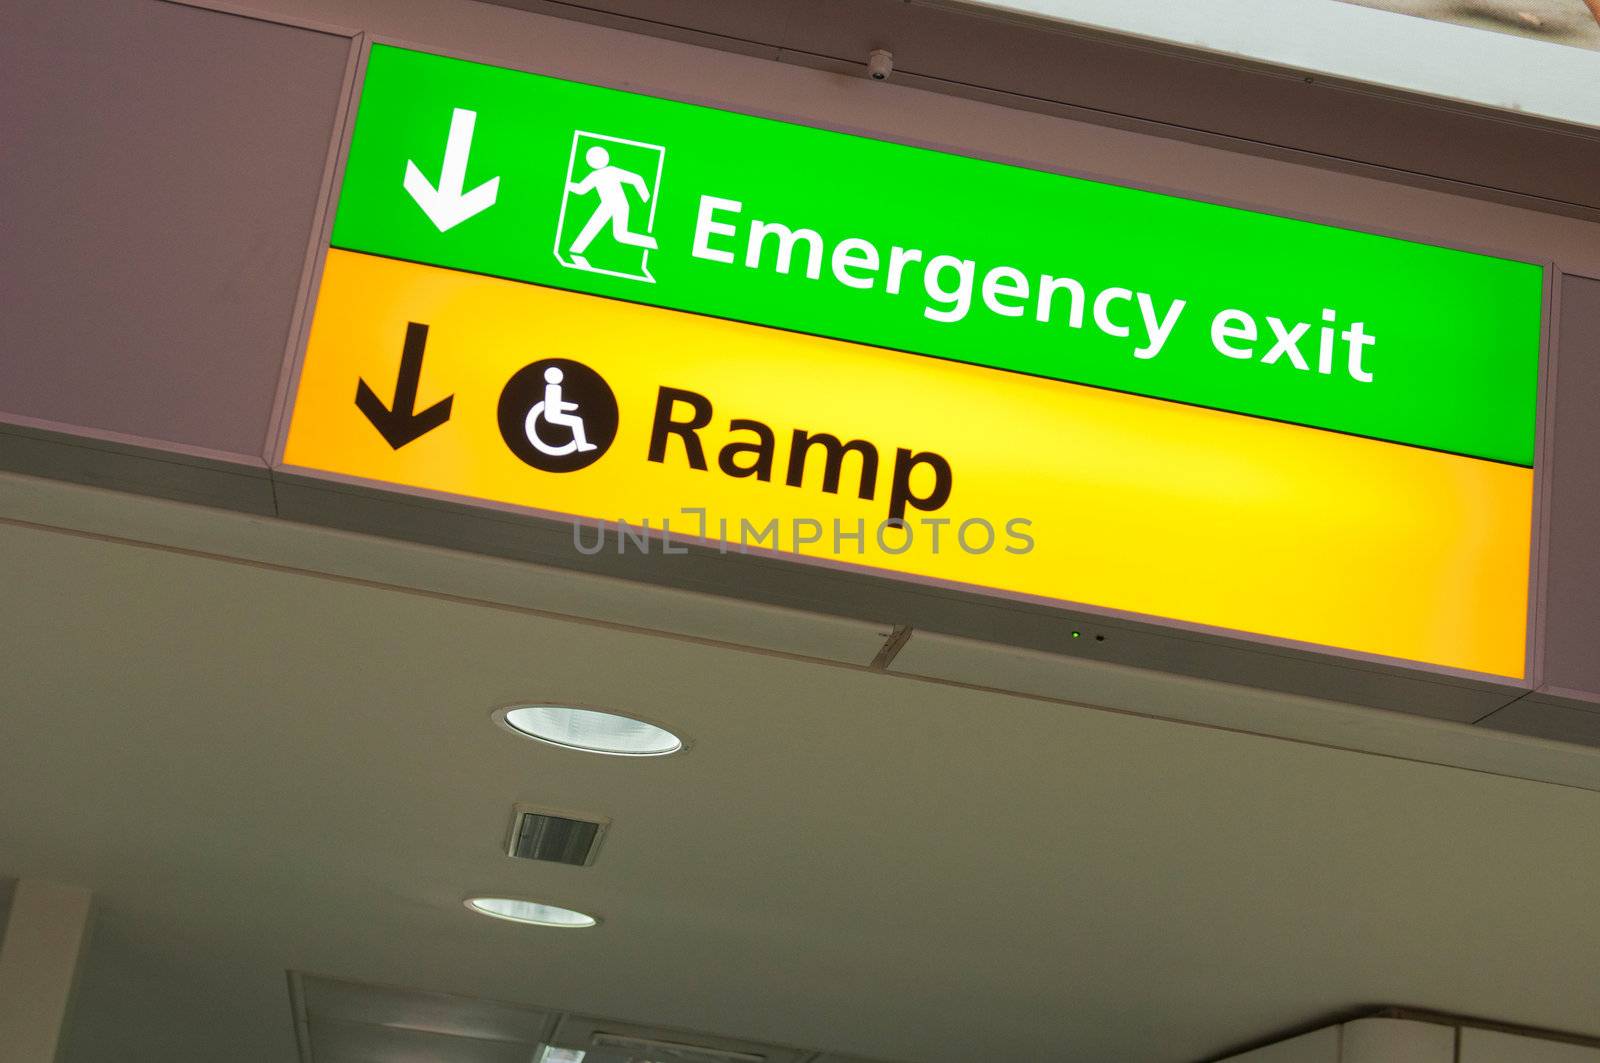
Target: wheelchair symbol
{"points": [[557, 415], [557, 411]]}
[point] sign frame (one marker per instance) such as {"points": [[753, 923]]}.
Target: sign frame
{"points": [[977, 600]]}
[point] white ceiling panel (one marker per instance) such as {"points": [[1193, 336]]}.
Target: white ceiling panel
{"points": [[489, 1020], [333, 1041], [436, 571], [1223, 705], [258, 770]]}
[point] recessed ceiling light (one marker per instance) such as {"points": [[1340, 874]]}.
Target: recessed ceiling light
{"points": [[590, 730], [531, 912]]}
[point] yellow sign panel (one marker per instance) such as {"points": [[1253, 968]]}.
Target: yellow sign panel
{"points": [[609, 411]]}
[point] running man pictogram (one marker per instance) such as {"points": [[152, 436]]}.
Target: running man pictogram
{"points": [[612, 188], [612, 183]]}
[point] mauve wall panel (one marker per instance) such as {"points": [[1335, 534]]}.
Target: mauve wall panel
{"points": [[1572, 611], [159, 173]]}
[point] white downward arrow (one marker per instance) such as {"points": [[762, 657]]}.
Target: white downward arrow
{"points": [[447, 205]]}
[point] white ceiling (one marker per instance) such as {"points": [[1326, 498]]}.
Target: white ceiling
{"points": [[1476, 62], [259, 769]]}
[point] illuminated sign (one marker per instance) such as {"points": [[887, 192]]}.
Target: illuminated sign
{"points": [[611, 307]]}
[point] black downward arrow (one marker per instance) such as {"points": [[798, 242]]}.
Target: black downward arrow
{"points": [[400, 425]]}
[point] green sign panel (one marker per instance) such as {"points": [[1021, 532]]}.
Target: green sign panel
{"points": [[500, 172]]}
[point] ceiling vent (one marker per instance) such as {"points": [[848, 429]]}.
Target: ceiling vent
{"points": [[540, 834], [606, 1041], [667, 1051]]}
